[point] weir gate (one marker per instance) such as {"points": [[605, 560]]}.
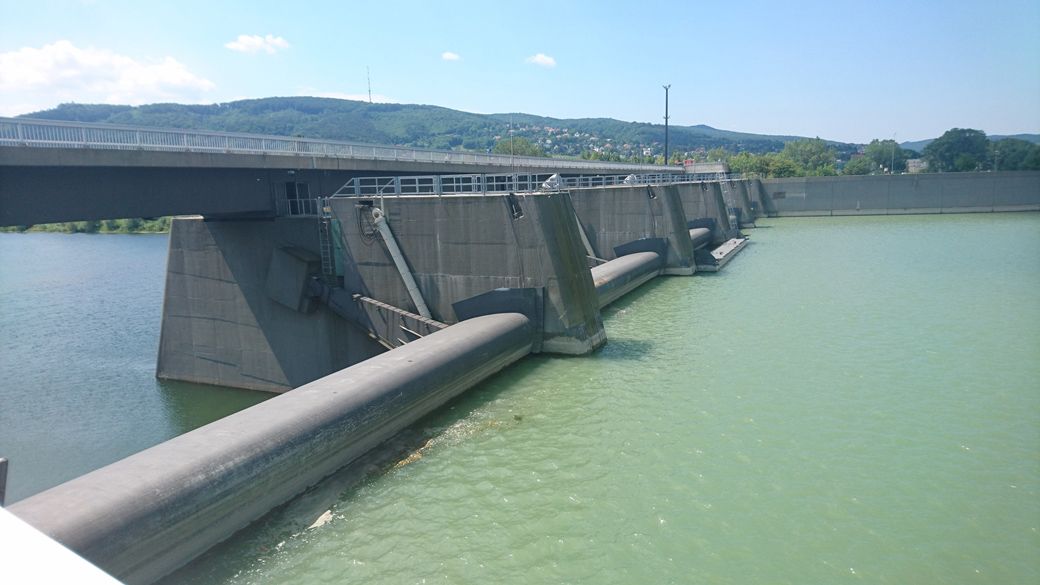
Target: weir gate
{"points": [[378, 299]]}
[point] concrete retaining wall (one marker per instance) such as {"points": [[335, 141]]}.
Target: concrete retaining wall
{"points": [[221, 321], [904, 194], [614, 216], [460, 247]]}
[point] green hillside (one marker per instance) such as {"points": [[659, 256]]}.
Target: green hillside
{"points": [[420, 126]]}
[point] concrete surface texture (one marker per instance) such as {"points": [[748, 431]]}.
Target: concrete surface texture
{"points": [[221, 321], [763, 203], [903, 194], [57, 184], [737, 200], [462, 246], [703, 201], [614, 216], [144, 516], [748, 212]]}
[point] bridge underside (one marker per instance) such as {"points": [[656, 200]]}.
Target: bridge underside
{"points": [[50, 185]]}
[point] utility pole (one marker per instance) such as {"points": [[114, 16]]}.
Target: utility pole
{"points": [[892, 164], [368, 75], [666, 88]]}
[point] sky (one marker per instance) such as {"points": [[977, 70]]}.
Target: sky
{"points": [[838, 70]]}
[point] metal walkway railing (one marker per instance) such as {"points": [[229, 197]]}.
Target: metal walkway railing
{"points": [[480, 184], [57, 134]]}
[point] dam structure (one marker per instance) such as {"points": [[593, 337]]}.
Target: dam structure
{"points": [[368, 292]]}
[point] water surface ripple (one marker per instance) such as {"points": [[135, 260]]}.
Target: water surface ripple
{"points": [[852, 400]]}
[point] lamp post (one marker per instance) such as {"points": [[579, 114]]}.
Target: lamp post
{"points": [[892, 165], [666, 88]]}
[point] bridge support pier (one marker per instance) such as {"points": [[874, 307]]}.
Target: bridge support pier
{"points": [[235, 312]]}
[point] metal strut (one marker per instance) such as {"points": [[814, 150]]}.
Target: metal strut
{"points": [[379, 219]]}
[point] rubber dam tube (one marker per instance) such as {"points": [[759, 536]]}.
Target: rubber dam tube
{"points": [[700, 237], [619, 276], [144, 516]]}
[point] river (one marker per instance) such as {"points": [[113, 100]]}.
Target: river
{"points": [[850, 400]]}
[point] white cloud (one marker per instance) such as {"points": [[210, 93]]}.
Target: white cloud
{"points": [[39, 78], [255, 43], [449, 56], [542, 60]]}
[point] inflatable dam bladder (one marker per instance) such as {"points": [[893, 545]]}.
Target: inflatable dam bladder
{"points": [[612, 217], [618, 277], [498, 276], [151, 513], [712, 229]]}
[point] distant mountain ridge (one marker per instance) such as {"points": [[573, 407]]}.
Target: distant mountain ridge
{"points": [[419, 126], [919, 145]]}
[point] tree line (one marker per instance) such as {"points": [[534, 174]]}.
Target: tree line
{"points": [[134, 225], [957, 150]]}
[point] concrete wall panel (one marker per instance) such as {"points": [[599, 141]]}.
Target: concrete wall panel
{"points": [[705, 201], [888, 194], [459, 247], [613, 216], [220, 326]]}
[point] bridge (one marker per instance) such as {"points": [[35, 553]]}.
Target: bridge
{"points": [[53, 171]]}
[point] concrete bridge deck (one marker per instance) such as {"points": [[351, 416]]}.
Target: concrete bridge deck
{"points": [[53, 171]]}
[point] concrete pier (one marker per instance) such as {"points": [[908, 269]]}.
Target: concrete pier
{"points": [[234, 312], [459, 247], [144, 516], [705, 207], [763, 203], [748, 213], [615, 216]]}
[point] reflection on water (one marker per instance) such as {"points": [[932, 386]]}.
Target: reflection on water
{"points": [[79, 332]]}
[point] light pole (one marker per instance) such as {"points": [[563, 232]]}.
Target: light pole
{"points": [[892, 165], [666, 88]]}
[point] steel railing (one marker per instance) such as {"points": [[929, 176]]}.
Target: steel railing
{"points": [[481, 184], [59, 134]]}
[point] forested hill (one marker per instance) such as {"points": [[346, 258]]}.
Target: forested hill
{"points": [[419, 126]]}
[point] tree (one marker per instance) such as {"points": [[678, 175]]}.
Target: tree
{"points": [[745, 162], [717, 154], [1012, 154], [861, 165], [778, 165], [887, 154], [959, 149], [518, 146], [813, 155]]}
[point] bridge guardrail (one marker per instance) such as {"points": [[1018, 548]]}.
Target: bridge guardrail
{"points": [[60, 134], [483, 184]]}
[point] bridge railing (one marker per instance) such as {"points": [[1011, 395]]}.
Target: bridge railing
{"points": [[60, 134], [482, 184]]}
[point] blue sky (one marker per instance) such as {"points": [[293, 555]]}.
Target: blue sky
{"points": [[838, 70]]}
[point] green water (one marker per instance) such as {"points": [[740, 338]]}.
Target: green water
{"points": [[851, 401], [79, 333]]}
